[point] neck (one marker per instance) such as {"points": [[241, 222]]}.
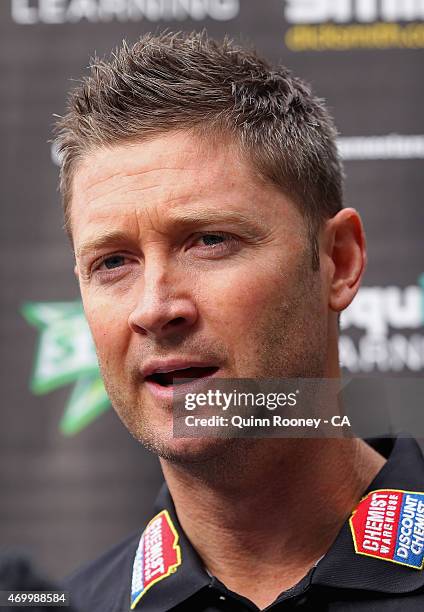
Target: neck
{"points": [[269, 507]]}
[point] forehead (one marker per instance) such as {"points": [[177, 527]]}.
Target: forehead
{"points": [[168, 153], [150, 182]]}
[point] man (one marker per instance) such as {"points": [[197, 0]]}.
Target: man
{"points": [[203, 198]]}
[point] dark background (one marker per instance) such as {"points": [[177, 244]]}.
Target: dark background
{"points": [[63, 498]]}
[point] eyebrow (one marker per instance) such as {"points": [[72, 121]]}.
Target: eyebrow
{"points": [[106, 239], [186, 218], [193, 217]]}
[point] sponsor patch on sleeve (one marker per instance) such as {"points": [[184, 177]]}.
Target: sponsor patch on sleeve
{"points": [[388, 524], [158, 556]]}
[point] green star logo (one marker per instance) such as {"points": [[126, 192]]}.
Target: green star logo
{"points": [[66, 354]]}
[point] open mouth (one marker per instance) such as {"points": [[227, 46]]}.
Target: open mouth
{"points": [[178, 377]]}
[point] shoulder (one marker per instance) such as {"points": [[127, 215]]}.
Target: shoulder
{"points": [[105, 584]]}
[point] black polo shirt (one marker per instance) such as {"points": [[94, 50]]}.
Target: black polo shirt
{"points": [[162, 572]]}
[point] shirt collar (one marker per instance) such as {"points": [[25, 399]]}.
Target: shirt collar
{"points": [[342, 567], [183, 581]]}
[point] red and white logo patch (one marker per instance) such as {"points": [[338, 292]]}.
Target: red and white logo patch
{"points": [[158, 556], [388, 524]]}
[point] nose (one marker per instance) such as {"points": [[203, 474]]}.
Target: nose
{"points": [[163, 308]]}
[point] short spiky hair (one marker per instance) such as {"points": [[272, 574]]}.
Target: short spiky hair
{"points": [[179, 81]]}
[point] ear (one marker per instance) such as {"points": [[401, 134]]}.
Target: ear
{"points": [[76, 271], [345, 253]]}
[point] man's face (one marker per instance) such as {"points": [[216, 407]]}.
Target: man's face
{"points": [[186, 259]]}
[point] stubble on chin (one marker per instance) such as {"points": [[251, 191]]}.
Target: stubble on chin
{"points": [[204, 457]]}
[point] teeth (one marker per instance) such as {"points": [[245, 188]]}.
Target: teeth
{"points": [[167, 377], [166, 370]]}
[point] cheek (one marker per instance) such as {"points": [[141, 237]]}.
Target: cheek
{"points": [[108, 322], [238, 299]]}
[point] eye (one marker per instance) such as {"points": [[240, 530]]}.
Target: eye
{"points": [[212, 239], [213, 244], [113, 261]]}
